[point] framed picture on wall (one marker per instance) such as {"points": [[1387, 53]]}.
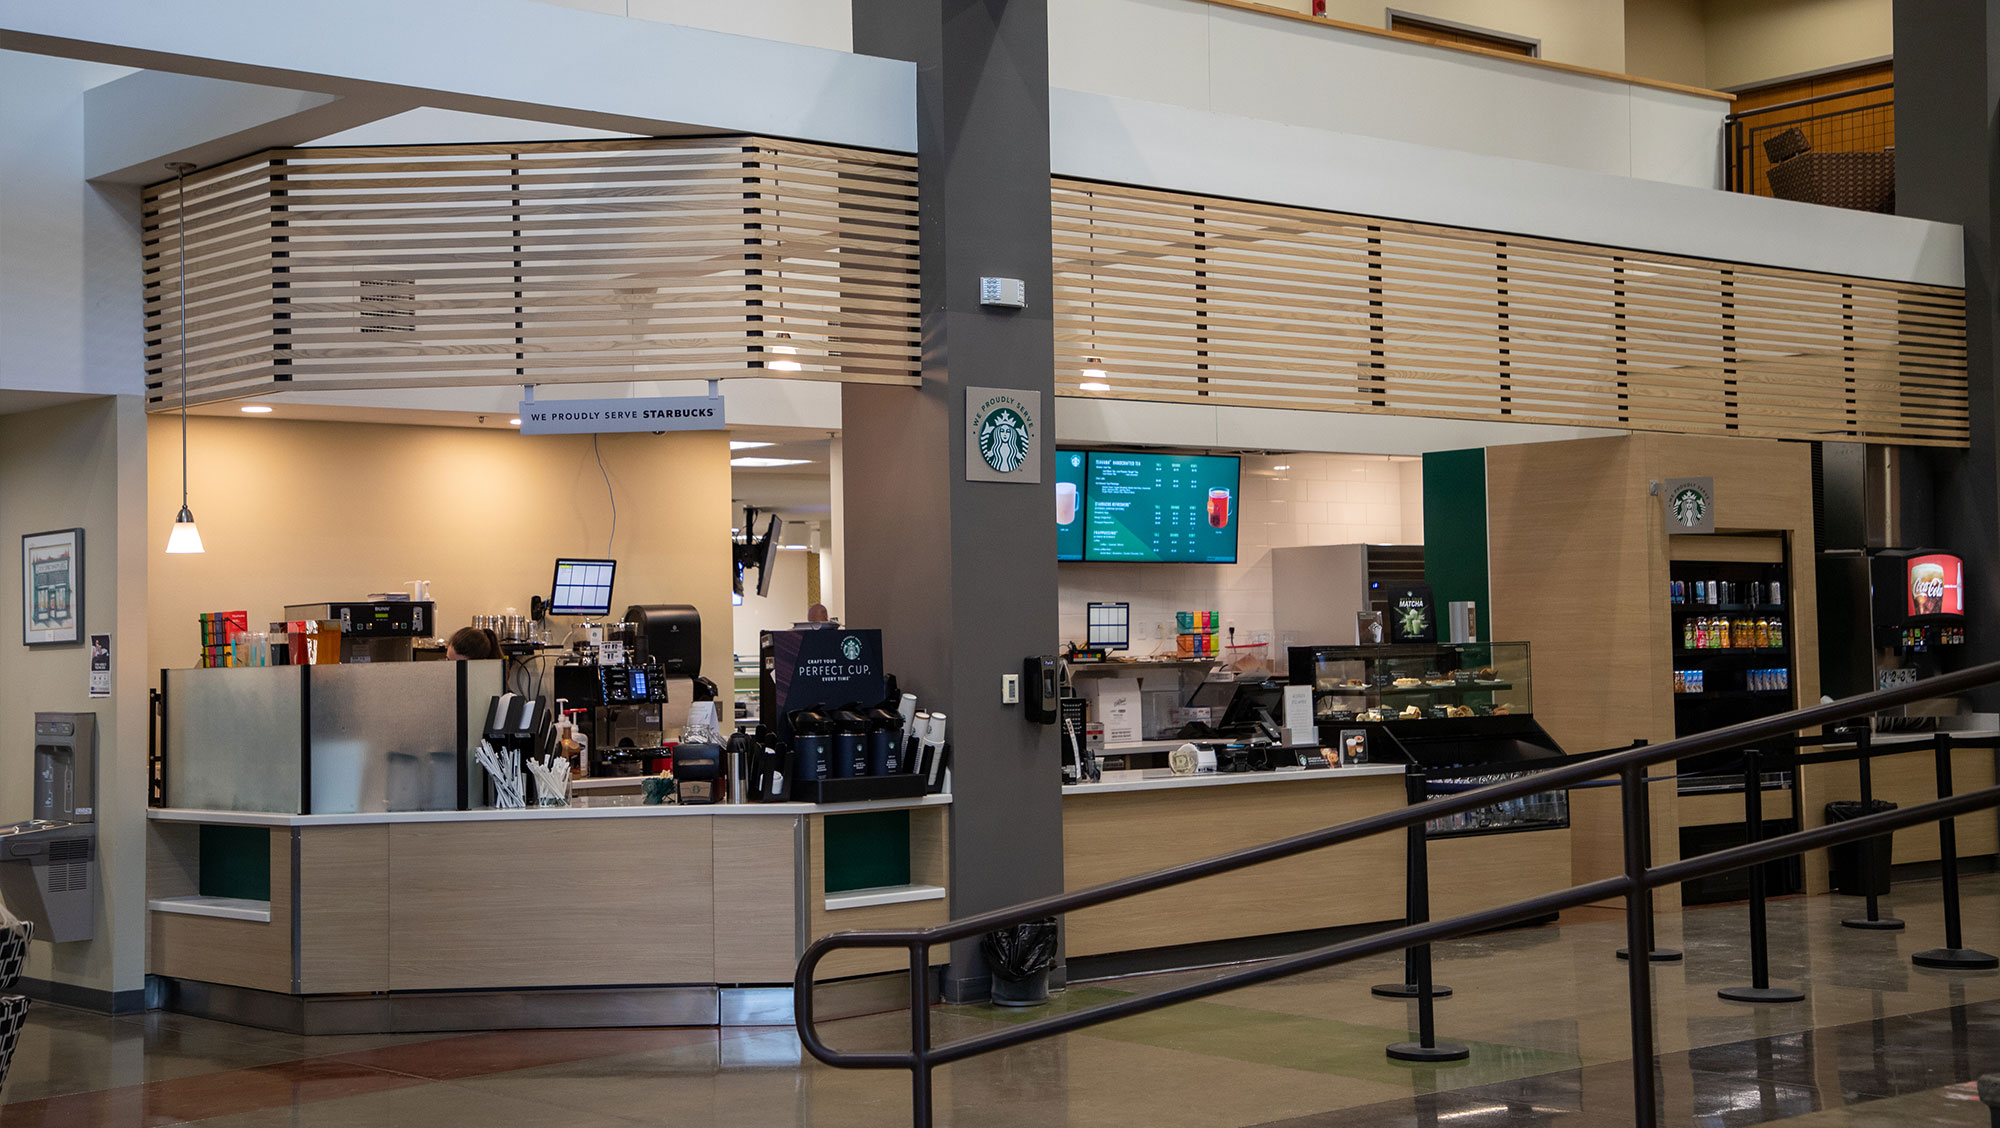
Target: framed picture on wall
{"points": [[52, 587]]}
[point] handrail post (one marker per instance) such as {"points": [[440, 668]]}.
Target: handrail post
{"points": [[1760, 989], [920, 1037], [1865, 745], [1638, 931], [1954, 956], [1426, 1047], [1416, 788], [1654, 952]]}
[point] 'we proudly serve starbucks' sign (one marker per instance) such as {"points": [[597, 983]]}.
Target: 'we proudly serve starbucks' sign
{"points": [[1003, 441]]}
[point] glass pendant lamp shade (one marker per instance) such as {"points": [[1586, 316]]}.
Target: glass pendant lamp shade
{"points": [[185, 537]]}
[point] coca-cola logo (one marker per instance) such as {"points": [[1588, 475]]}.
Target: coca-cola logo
{"points": [[1932, 588]]}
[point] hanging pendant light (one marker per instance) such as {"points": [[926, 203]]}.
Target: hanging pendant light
{"points": [[185, 538]]}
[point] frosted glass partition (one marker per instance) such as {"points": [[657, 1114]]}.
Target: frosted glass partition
{"points": [[234, 738], [377, 736]]}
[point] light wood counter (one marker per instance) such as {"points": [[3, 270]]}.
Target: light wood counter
{"points": [[588, 897]]}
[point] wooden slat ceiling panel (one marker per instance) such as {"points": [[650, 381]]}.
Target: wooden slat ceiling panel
{"points": [[497, 264], [1194, 299]]}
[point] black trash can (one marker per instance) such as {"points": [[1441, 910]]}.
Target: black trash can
{"points": [[1859, 869], [1020, 957]]}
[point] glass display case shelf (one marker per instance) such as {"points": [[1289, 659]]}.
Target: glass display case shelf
{"points": [[1412, 682]]}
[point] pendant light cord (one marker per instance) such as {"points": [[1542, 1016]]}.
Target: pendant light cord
{"points": [[181, 214]]}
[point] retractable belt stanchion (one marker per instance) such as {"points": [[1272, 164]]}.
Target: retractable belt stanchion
{"points": [[1416, 896], [1760, 989], [1654, 952], [1954, 955], [1426, 1047], [1865, 746]]}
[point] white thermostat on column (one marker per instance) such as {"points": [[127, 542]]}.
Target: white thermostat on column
{"points": [[1010, 293]]}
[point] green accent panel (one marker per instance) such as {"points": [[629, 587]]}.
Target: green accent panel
{"points": [[1455, 534], [867, 850], [236, 862]]}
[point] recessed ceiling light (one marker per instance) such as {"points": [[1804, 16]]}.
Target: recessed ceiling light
{"points": [[746, 444], [1286, 466], [755, 463], [513, 422], [256, 409]]}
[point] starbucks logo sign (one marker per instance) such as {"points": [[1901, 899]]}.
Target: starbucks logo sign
{"points": [[1690, 505], [850, 648], [1002, 438]]}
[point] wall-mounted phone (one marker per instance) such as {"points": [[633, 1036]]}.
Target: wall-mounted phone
{"points": [[1041, 687]]}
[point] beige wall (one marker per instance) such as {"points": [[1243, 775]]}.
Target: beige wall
{"points": [[1587, 33], [1665, 39], [1751, 41], [81, 466], [292, 512]]}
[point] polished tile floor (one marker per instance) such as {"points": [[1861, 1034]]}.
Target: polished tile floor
{"points": [[1877, 1042]]}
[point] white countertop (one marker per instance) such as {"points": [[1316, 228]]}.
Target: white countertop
{"points": [[612, 809], [1162, 780]]}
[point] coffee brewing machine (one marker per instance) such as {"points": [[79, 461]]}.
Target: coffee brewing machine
{"points": [[373, 631], [46, 870], [629, 684]]}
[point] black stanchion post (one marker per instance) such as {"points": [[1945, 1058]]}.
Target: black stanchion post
{"points": [[1426, 1047], [1639, 930], [1416, 789], [1760, 989], [1874, 919], [1653, 950], [1954, 956]]}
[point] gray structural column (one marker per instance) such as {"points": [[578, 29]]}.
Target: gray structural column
{"points": [[1947, 88], [961, 575]]}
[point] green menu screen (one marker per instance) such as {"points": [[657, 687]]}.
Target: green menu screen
{"points": [[1161, 507], [1070, 465]]}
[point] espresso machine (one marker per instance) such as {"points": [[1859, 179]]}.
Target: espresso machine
{"points": [[46, 875]]}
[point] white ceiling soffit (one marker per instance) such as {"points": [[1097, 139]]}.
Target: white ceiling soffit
{"points": [[509, 58], [135, 124]]}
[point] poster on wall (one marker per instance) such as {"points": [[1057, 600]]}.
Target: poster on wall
{"points": [[52, 587], [100, 665]]}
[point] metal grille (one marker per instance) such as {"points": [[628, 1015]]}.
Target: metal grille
{"points": [[1850, 112], [1173, 297]]}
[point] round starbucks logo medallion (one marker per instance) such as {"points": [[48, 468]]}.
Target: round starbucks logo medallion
{"points": [[851, 648], [1689, 506], [1003, 439]]}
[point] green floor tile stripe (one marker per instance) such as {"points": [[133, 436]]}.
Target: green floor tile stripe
{"points": [[1289, 1041]]}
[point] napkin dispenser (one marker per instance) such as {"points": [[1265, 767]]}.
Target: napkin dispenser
{"points": [[698, 773]]}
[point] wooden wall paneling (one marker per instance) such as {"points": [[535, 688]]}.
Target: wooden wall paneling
{"points": [[1114, 835], [756, 899], [1231, 302], [544, 903], [238, 953], [1490, 870], [344, 909], [464, 265], [927, 861]]}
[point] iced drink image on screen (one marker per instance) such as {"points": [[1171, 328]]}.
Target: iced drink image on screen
{"points": [[1218, 508], [1927, 588], [1065, 502]]}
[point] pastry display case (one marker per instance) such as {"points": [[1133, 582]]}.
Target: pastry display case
{"points": [[1415, 682]]}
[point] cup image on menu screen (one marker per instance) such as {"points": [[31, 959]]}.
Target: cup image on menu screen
{"points": [[1065, 503], [1218, 508]]}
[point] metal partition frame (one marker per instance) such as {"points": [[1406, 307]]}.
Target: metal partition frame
{"points": [[1635, 885]]}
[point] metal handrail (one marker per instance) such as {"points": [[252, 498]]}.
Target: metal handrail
{"points": [[1634, 885], [1741, 130]]}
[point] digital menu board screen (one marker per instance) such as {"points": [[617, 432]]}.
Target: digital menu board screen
{"points": [[1160, 507], [1070, 468], [1936, 585]]}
